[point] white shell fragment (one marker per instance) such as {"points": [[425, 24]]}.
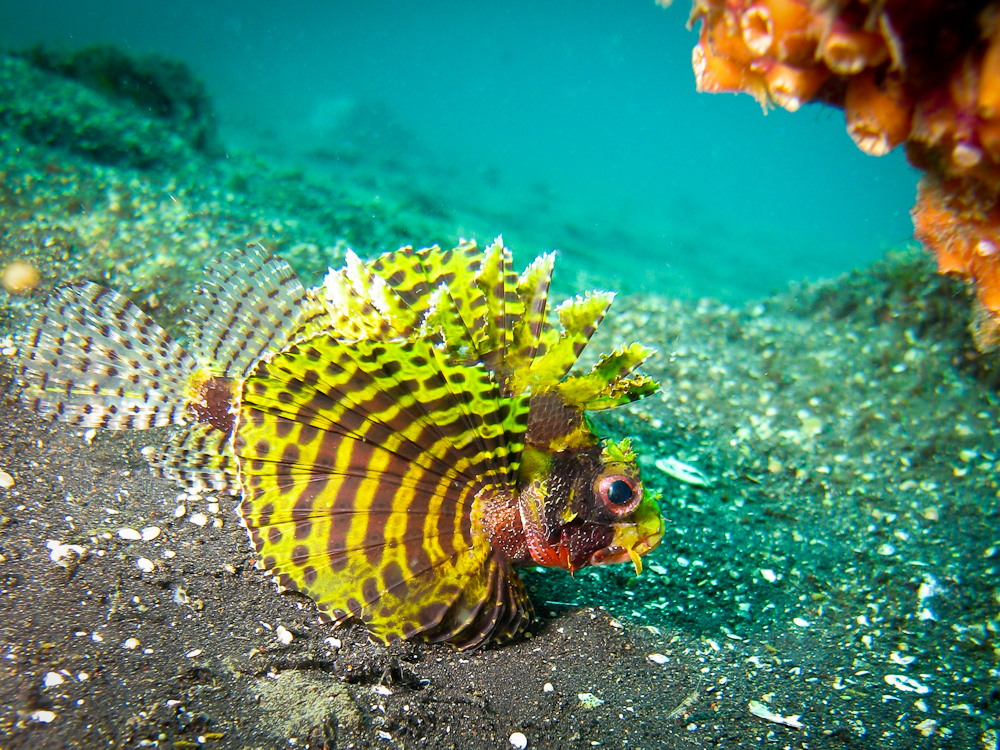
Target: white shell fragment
{"points": [[906, 684], [683, 472], [658, 658], [761, 711], [284, 635], [131, 644], [44, 717], [193, 654], [52, 679], [58, 550], [150, 533], [518, 740], [589, 700]]}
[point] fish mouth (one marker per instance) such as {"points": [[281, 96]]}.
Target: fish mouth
{"points": [[619, 554]]}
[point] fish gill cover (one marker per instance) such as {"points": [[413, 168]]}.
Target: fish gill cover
{"points": [[401, 437]]}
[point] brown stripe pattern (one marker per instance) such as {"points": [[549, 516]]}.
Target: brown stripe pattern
{"points": [[362, 465]]}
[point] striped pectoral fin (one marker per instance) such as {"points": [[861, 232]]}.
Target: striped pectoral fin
{"points": [[360, 464], [92, 358], [362, 533]]}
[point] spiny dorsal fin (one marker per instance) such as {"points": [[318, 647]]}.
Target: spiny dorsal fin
{"points": [[579, 318], [362, 305], [92, 358], [436, 288], [533, 293], [498, 282], [362, 462], [607, 384]]}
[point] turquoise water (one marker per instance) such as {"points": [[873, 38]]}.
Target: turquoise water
{"points": [[572, 125]]}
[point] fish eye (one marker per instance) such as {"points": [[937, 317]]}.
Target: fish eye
{"points": [[619, 493]]}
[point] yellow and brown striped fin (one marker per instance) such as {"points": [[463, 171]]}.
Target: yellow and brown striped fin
{"points": [[362, 305], [249, 304], [579, 318], [607, 384], [437, 288], [92, 358], [361, 464], [533, 294], [498, 282]]}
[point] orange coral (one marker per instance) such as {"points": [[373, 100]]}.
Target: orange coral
{"points": [[921, 72]]}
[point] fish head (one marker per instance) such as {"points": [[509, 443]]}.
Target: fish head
{"points": [[590, 508]]}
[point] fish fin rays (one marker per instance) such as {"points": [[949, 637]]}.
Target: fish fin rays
{"points": [[93, 358], [360, 480]]}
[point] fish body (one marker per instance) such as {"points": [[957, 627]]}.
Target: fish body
{"points": [[401, 438]]}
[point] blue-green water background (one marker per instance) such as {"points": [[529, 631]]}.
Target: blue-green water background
{"points": [[572, 125]]}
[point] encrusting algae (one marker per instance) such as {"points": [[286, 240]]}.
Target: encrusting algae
{"points": [[401, 437]]}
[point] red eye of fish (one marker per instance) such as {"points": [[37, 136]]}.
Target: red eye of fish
{"points": [[620, 494]]}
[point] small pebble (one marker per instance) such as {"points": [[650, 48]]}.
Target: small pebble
{"points": [[145, 565], [518, 740], [198, 519], [886, 550], [19, 277], [52, 679], [130, 534], [768, 575], [284, 635], [131, 644], [6, 480], [589, 700], [801, 622], [150, 533], [193, 654], [658, 658], [547, 687], [45, 717]]}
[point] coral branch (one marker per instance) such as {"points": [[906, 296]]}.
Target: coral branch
{"points": [[921, 72]]}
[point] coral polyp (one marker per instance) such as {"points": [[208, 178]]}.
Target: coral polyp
{"points": [[925, 74]]}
